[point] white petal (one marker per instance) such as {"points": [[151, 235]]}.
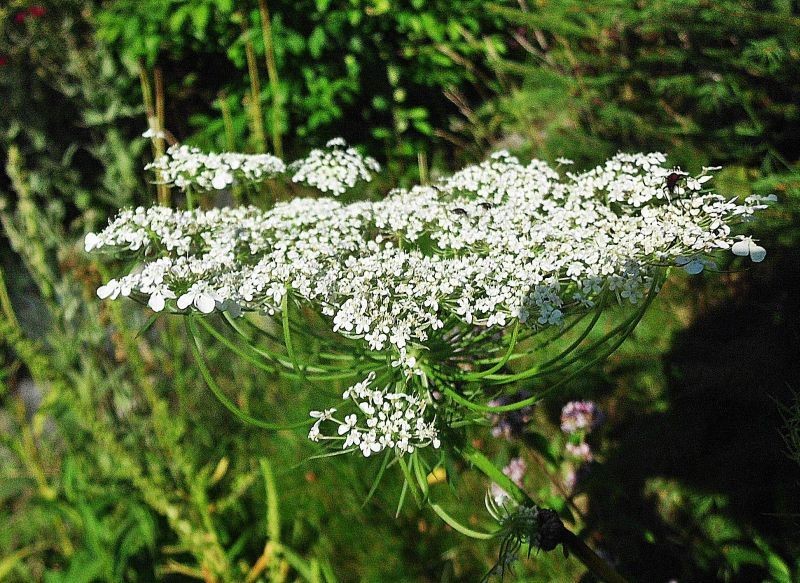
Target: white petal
{"points": [[109, 290], [221, 180], [91, 242], [184, 301], [205, 303], [156, 302], [741, 248], [757, 253]]}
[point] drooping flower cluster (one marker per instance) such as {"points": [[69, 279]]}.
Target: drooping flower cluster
{"points": [[335, 169], [384, 420], [188, 168], [495, 243]]}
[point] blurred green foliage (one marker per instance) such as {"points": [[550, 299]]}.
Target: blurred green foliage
{"points": [[371, 70], [116, 464], [63, 108], [706, 82]]}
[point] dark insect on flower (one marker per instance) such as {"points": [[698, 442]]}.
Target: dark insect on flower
{"points": [[460, 211], [672, 181], [486, 206]]}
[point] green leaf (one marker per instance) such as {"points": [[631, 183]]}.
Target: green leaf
{"points": [[200, 16], [316, 42]]}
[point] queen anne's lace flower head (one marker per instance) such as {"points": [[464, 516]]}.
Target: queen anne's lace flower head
{"points": [[334, 169], [188, 168], [383, 420], [495, 244]]}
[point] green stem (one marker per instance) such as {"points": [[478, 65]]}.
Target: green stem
{"points": [[287, 366], [5, 303], [191, 329], [254, 103], [273, 509], [457, 526], [511, 345], [272, 74], [287, 333]]}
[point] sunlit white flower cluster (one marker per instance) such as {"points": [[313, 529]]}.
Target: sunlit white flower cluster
{"points": [[384, 420], [496, 243], [335, 169], [187, 168]]}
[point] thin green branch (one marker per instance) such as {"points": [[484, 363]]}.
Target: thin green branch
{"points": [[197, 348]]}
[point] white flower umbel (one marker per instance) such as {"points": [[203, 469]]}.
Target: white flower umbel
{"points": [[497, 243], [188, 168], [383, 420], [334, 169]]}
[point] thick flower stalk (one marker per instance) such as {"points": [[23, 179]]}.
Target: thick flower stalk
{"points": [[429, 301]]}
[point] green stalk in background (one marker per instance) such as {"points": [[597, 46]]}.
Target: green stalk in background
{"points": [[274, 81], [254, 99], [155, 123]]}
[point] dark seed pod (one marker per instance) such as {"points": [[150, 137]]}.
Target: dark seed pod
{"points": [[551, 529]]}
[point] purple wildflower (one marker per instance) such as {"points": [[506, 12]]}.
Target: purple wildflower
{"points": [[511, 424], [515, 470], [581, 451], [580, 416]]}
